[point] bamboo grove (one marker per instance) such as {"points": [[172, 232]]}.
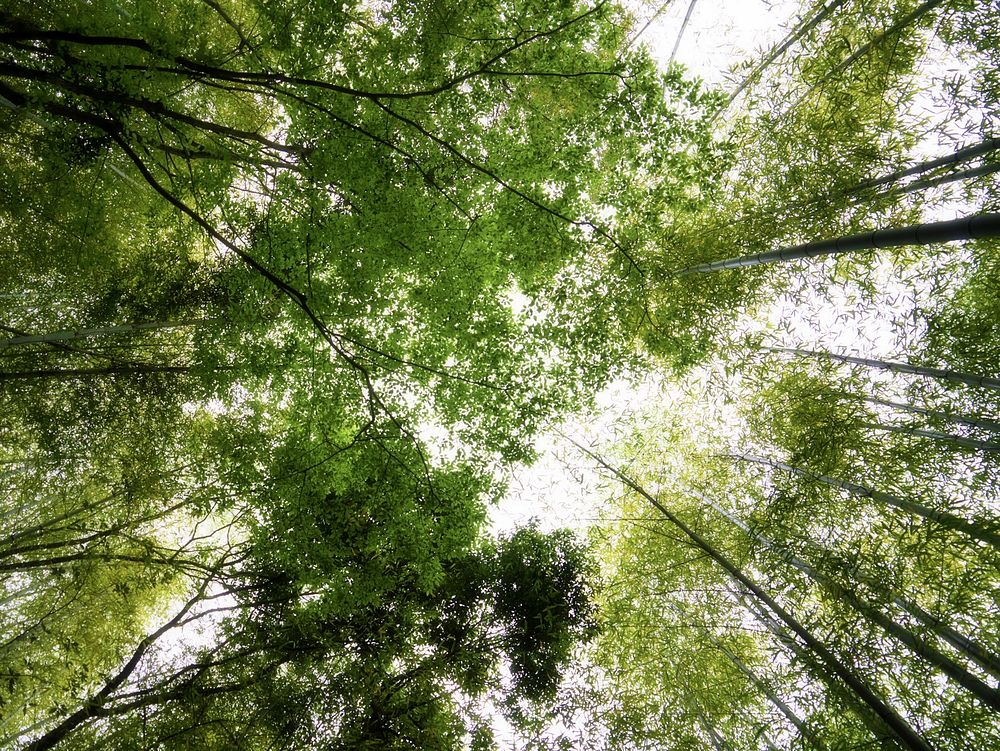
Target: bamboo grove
{"points": [[289, 289], [802, 546]]}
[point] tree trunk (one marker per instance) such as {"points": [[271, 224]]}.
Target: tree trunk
{"points": [[972, 443], [956, 157], [62, 336], [93, 706], [974, 651], [718, 743], [982, 423], [985, 693], [776, 700], [757, 681], [968, 379], [684, 25], [873, 722], [905, 734], [933, 182], [954, 230], [944, 518], [68, 374]]}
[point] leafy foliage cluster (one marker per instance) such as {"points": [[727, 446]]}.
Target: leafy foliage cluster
{"points": [[286, 284], [818, 567]]}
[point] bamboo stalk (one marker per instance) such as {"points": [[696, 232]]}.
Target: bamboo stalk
{"points": [[944, 518], [956, 376], [974, 227]]}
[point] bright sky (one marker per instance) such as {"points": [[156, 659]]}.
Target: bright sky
{"points": [[719, 35], [561, 489]]}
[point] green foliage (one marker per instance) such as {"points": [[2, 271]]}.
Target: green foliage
{"points": [[807, 420], [541, 594], [785, 174], [862, 502], [500, 151], [964, 330], [255, 251], [286, 284]]}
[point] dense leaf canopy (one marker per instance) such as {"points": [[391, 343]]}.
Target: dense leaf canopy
{"points": [[287, 290]]}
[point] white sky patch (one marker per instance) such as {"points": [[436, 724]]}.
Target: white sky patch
{"points": [[562, 489], [719, 35]]}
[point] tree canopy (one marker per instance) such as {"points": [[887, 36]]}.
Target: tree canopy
{"points": [[289, 290]]}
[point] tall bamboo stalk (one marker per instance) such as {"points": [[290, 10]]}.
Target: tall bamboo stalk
{"points": [[959, 440], [974, 227], [901, 729], [955, 376], [125, 328], [971, 649], [864, 49], [944, 518], [973, 421], [961, 155]]}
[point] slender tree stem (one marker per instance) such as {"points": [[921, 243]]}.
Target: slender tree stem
{"points": [[795, 35], [955, 376], [900, 728], [864, 49], [973, 421], [125, 328], [961, 155], [974, 651], [684, 25], [68, 374], [958, 440], [975, 227], [944, 518]]}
